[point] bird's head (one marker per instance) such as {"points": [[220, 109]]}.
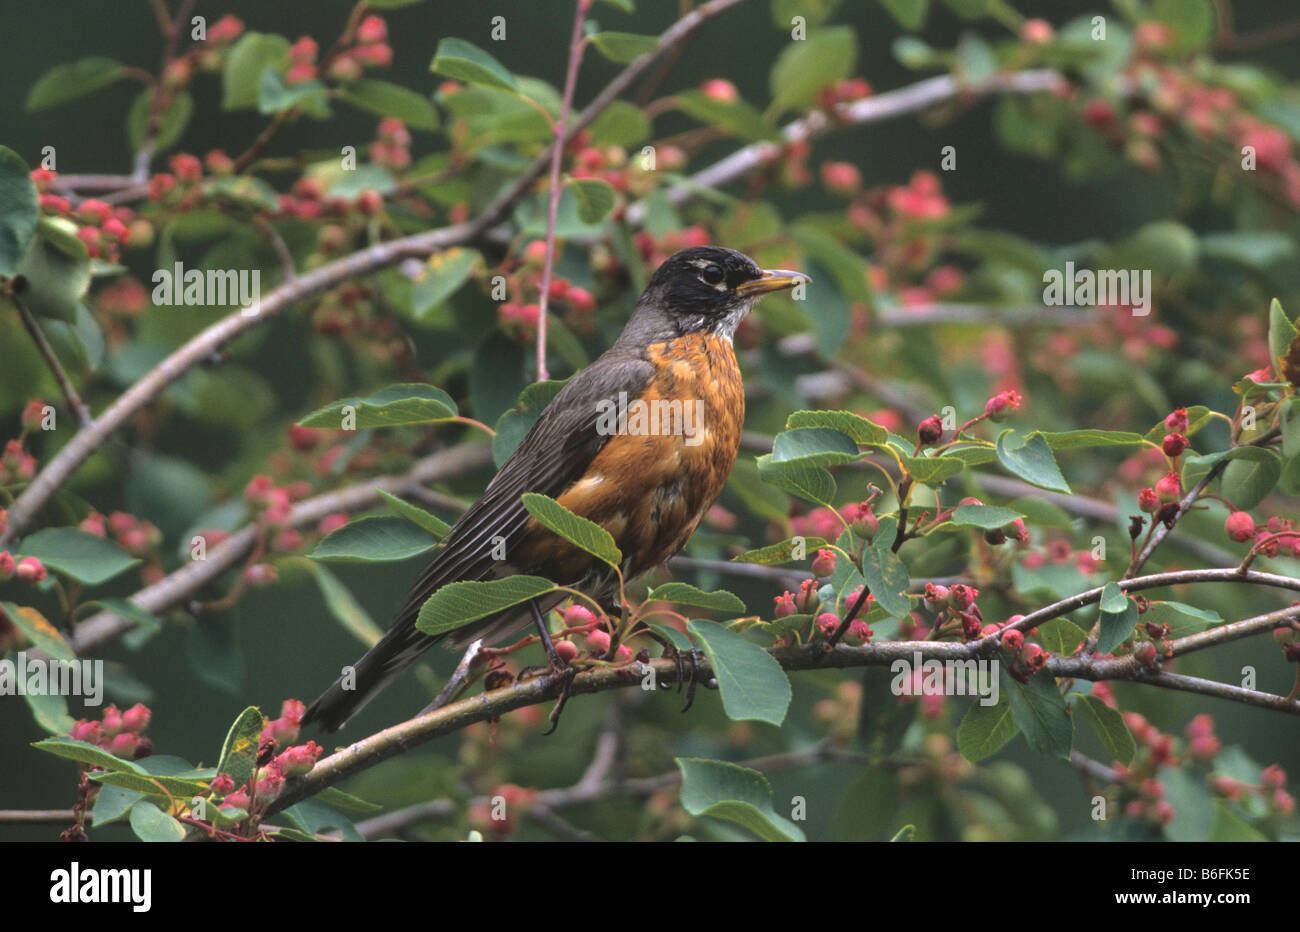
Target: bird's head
{"points": [[710, 289]]}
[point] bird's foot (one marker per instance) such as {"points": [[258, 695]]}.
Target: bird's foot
{"points": [[563, 674]]}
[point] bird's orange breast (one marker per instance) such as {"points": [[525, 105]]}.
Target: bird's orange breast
{"points": [[662, 468]]}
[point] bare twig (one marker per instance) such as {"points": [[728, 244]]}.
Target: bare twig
{"points": [[576, 46], [79, 408]]}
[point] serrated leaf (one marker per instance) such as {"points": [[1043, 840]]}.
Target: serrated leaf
{"points": [[391, 100], [736, 794], [1030, 458], [582, 533], [985, 729], [376, 539], [681, 593], [987, 517], [464, 61], [417, 516], [241, 76], [239, 751], [152, 824], [1250, 476], [752, 683], [513, 425], [595, 197], [393, 406], [1040, 712], [1118, 622], [855, 427], [1110, 728], [344, 607], [72, 80], [83, 556], [50, 713], [803, 68], [441, 277], [1061, 636], [460, 603], [886, 576], [783, 552], [85, 753], [19, 210], [812, 483], [1090, 437], [814, 446], [43, 635], [623, 47]]}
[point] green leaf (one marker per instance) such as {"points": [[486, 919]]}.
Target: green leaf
{"points": [[84, 753], [681, 593], [1119, 616], [733, 116], [620, 124], [814, 446], [987, 517], [50, 713], [976, 60], [1030, 458], [274, 95], [752, 683], [152, 784], [856, 428], [333, 796], [57, 268], [623, 47], [457, 604], [394, 406], [1250, 476], [241, 76], [152, 824], [910, 14], [803, 68], [19, 210], [1256, 250], [43, 635], [596, 198], [1110, 728], [111, 804], [392, 100], [915, 54], [85, 557], [441, 277], [1182, 619], [1040, 712], [1061, 636], [417, 516], [464, 61], [1281, 334], [239, 751], [736, 794], [1079, 439], [513, 425], [812, 483], [180, 109], [984, 729], [1192, 802], [886, 576], [344, 607], [1230, 827], [314, 817], [376, 539], [72, 80], [776, 554], [582, 533], [931, 470]]}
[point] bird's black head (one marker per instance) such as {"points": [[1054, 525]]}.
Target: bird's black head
{"points": [[709, 288]]}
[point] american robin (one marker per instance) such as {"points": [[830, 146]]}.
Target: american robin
{"points": [[641, 442]]}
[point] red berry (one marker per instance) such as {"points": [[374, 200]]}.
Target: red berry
{"points": [[1240, 526]]}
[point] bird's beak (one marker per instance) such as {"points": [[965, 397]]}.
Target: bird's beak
{"points": [[772, 280]]}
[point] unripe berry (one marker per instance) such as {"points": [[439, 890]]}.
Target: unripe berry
{"points": [[1149, 501], [1240, 526], [930, 430], [823, 564], [721, 90], [1013, 640], [1174, 445], [1169, 488], [566, 650], [597, 641]]}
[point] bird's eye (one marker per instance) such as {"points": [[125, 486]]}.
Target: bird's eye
{"points": [[713, 274]]}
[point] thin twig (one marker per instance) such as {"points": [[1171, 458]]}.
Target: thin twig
{"points": [[79, 407]]}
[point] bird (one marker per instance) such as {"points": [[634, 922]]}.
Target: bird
{"points": [[646, 481]]}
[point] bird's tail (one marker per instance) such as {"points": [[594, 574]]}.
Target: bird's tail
{"points": [[365, 679]]}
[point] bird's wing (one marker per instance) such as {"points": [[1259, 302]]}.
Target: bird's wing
{"points": [[555, 454]]}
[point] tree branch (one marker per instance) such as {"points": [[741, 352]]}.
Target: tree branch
{"points": [[364, 262], [79, 408]]}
